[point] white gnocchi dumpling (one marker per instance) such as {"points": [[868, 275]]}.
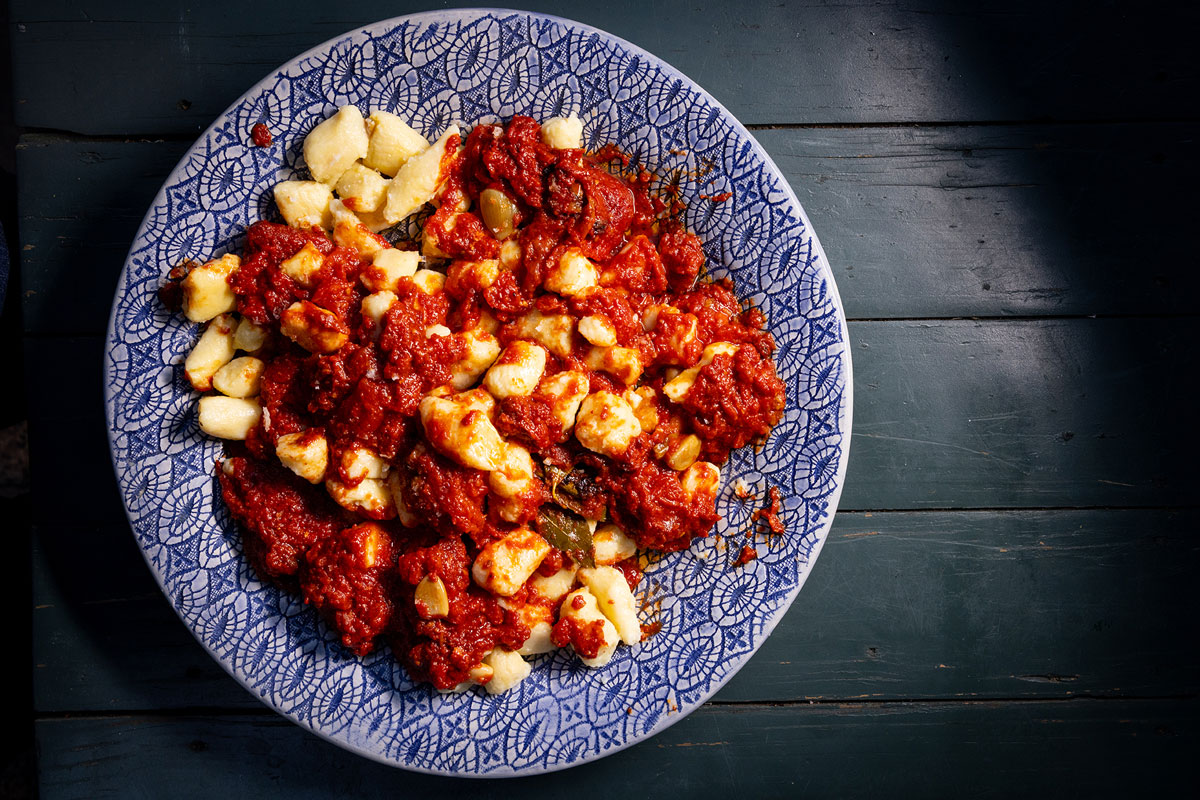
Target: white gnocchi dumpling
{"points": [[305, 453], [482, 350], [375, 307], [614, 599], [517, 371], [623, 363], [428, 281], [214, 350], [610, 545], [249, 336], [642, 401], [598, 330], [429, 240], [459, 426], [508, 669], [304, 265], [417, 181], [572, 275], [511, 481], [606, 424], [581, 606], [552, 331], [476, 274], [335, 144], [503, 565], [515, 474], [206, 289], [312, 327], [564, 393], [228, 417], [359, 463], [240, 377], [369, 496], [349, 231], [391, 142], [701, 479], [684, 333], [387, 267], [563, 133], [304, 204], [510, 253], [539, 618], [554, 587], [362, 189]]}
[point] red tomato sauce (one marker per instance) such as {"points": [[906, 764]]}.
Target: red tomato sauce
{"points": [[260, 134], [745, 556], [586, 637], [362, 576], [347, 577], [283, 519]]}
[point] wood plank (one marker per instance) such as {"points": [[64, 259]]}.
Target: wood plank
{"points": [[1026, 413], [71, 254], [916, 222], [797, 62], [989, 604], [1075, 748], [1037, 604], [993, 221]]}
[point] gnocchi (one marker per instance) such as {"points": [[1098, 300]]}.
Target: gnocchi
{"points": [[334, 145]]}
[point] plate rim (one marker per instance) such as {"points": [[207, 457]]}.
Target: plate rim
{"points": [[846, 414]]}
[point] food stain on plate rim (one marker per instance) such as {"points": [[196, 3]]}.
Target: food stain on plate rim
{"points": [[272, 644]]}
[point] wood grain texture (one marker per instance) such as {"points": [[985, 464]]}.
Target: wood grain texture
{"points": [[916, 222], [996, 221], [1069, 749], [173, 66], [1041, 604], [1032, 413], [81, 204]]}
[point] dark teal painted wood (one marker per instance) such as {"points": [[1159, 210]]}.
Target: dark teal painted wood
{"points": [[916, 222], [999, 220], [1056, 749], [81, 204], [1029, 604], [1033, 413], [173, 66]]}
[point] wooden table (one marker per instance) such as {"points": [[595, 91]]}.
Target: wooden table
{"points": [[1005, 603]]}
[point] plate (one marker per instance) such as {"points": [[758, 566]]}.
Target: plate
{"points": [[470, 66]]}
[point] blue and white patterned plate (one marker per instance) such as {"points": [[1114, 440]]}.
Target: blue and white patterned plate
{"points": [[467, 67]]}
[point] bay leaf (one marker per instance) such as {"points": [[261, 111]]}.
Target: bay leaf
{"points": [[567, 532]]}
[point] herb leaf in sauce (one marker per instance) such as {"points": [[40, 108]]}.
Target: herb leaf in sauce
{"points": [[568, 533], [570, 489]]}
